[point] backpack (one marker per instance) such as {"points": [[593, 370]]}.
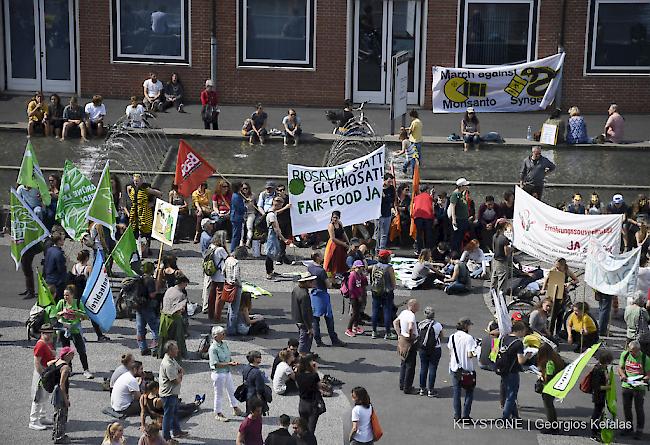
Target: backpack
{"points": [[345, 290], [204, 346], [503, 364], [378, 280], [241, 393], [260, 228], [585, 383], [134, 292], [209, 266], [36, 319], [51, 376], [427, 339]]}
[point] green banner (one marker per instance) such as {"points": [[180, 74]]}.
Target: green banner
{"points": [[26, 229], [44, 295], [124, 250], [30, 174], [75, 195], [609, 414], [102, 207], [561, 384]]}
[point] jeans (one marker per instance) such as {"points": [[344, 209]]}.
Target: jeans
{"points": [[455, 288], [469, 397], [307, 411], [636, 396], [429, 365], [407, 369], [409, 164], [604, 307], [424, 238], [511, 384], [223, 381], [233, 314], [471, 139], [304, 339], [383, 303], [329, 322], [382, 229], [144, 317], [235, 239], [462, 225], [170, 416]]}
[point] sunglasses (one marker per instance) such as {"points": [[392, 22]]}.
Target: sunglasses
{"points": [[280, 189], [292, 114]]}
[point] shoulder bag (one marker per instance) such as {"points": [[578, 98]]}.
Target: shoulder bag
{"points": [[377, 430], [467, 378], [229, 292]]}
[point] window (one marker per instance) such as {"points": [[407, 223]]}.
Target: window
{"points": [[277, 33], [151, 31], [496, 32], [618, 40]]}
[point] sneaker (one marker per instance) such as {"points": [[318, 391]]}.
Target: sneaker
{"points": [[270, 277], [422, 392], [46, 421], [391, 336], [220, 417], [350, 333], [180, 109], [238, 412], [320, 344], [358, 330], [145, 352], [103, 338], [432, 393], [89, 375], [374, 335], [37, 426], [339, 343], [64, 439], [411, 391], [278, 263], [180, 434]]}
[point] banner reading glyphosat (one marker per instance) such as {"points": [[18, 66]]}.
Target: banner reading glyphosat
{"points": [[353, 188], [511, 88], [547, 233]]}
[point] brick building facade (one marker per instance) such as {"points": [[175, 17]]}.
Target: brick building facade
{"points": [[317, 52]]}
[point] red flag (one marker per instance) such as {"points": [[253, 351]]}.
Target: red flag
{"points": [[191, 169]]}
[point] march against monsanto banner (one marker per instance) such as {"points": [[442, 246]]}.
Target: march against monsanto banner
{"points": [[510, 88], [612, 274], [353, 188], [547, 233]]}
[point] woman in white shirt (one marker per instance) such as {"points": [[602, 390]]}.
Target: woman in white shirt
{"points": [[284, 377], [474, 257], [135, 114], [361, 433]]}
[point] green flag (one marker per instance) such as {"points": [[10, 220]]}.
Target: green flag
{"points": [[75, 195], [561, 383], [124, 250], [609, 415], [102, 208], [30, 174], [26, 229], [44, 295]]}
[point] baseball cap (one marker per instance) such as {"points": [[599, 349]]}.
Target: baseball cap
{"points": [[205, 222], [617, 199], [516, 316], [65, 351], [208, 83], [462, 182], [46, 327], [385, 253], [306, 276], [470, 109], [354, 241], [358, 263], [270, 184]]}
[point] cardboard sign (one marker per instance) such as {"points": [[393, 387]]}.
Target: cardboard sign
{"points": [[549, 134], [165, 218]]}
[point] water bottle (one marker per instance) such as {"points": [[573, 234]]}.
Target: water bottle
{"points": [[529, 134]]}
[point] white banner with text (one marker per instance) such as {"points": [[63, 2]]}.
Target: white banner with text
{"points": [[612, 274]]}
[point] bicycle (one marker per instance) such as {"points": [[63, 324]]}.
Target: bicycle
{"points": [[526, 301], [354, 127]]}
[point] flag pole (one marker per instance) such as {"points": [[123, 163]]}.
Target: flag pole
{"points": [[159, 260]]}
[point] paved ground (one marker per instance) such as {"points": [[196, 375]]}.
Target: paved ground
{"points": [[371, 363]]}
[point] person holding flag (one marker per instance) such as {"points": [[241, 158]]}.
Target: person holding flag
{"points": [[70, 313], [600, 385]]}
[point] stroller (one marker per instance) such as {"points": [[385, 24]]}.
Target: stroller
{"points": [[36, 319]]}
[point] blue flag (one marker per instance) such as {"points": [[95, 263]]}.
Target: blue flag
{"points": [[97, 297]]}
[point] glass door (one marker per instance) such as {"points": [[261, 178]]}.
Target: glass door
{"points": [[40, 49], [384, 28]]}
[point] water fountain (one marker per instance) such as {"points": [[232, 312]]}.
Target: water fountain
{"points": [[357, 141]]}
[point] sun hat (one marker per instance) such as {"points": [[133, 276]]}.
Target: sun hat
{"points": [[306, 276], [65, 351], [358, 263], [462, 182], [46, 327]]}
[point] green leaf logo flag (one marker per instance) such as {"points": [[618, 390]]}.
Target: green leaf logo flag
{"points": [[74, 199], [561, 384], [102, 208], [26, 229], [44, 295], [30, 174], [124, 250]]}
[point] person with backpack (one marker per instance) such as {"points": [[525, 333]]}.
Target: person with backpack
{"points": [[213, 265], [171, 318], [254, 380], [70, 313], [44, 354], [146, 311], [599, 385], [460, 281], [59, 375], [79, 276], [508, 365], [549, 363], [356, 285], [462, 365], [429, 340], [382, 286], [634, 371], [636, 321]]}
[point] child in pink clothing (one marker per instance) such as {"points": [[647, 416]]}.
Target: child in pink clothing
{"points": [[357, 283]]}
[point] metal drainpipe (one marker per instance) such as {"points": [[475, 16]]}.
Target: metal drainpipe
{"points": [[213, 44], [560, 49]]}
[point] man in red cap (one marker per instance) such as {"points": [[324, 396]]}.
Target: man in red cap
{"points": [[382, 285]]}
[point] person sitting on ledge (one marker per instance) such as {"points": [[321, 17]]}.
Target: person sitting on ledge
{"points": [[614, 125], [258, 130], [576, 132]]}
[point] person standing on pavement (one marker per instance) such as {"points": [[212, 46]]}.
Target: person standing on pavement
{"points": [[311, 404], [250, 430], [255, 380], [549, 363], [219, 255], [508, 365], [382, 225], [634, 367], [502, 261], [284, 222], [237, 215], [636, 322], [274, 238], [361, 432], [301, 312], [61, 395], [406, 326], [337, 246], [44, 353], [26, 265], [70, 312], [382, 285], [171, 377], [54, 266], [221, 364], [320, 301], [147, 314], [459, 212], [604, 310], [415, 133], [533, 172], [462, 347], [265, 198], [281, 436], [356, 284], [430, 337], [207, 226]]}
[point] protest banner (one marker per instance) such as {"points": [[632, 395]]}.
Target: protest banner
{"points": [[564, 381], [353, 188], [30, 174], [528, 86], [547, 233], [191, 169], [97, 297], [165, 217], [26, 229], [102, 207], [609, 273], [125, 252], [75, 195]]}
